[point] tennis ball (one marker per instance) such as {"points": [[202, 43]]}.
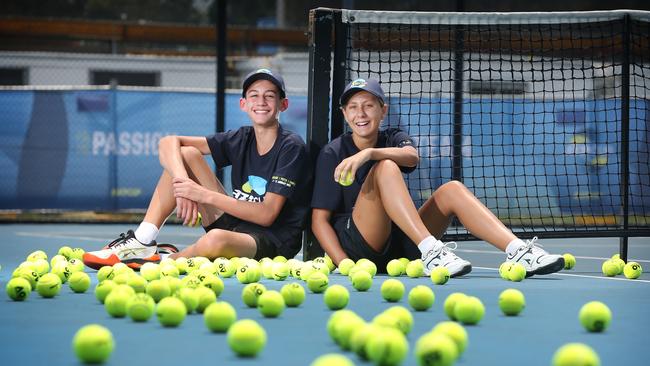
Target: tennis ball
{"points": [[106, 273], [115, 303], [121, 279], [632, 270], [575, 354], [267, 267], [49, 285], [386, 320], [189, 297], [346, 180], [214, 283], [306, 270], [345, 265], [421, 298], [395, 268], [208, 267], [190, 282], [246, 338], [103, 289], [436, 349], [280, 258], [206, 297], [469, 310], [56, 259], [93, 344], [344, 329], [512, 302], [368, 265], [39, 254], [595, 316], [360, 337], [280, 271], [336, 297], [356, 269], [338, 316], [293, 294], [504, 268], [362, 281], [317, 282], [621, 265], [321, 267], [27, 273], [226, 269], [517, 272], [415, 268], [251, 293], [62, 270], [404, 317], [392, 290], [18, 289], [197, 222], [65, 251], [271, 304], [388, 348], [219, 316], [245, 274], [569, 261], [332, 359], [158, 289], [170, 312], [128, 290], [137, 283], [329, 263], [455, 332], [79, 282], [173, 283], [77, 253], [440, 275], [450, 304], [140, 307], [609, 268], [41, 266], [169, 270], [76, 265]]}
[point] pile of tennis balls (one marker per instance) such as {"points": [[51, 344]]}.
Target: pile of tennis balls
{"points": [[616, 266]]}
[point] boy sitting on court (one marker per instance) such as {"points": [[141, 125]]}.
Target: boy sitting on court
{"points": [[271, 180]]}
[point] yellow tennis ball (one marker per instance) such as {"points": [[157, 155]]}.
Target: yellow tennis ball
{"points": [[140, 307], [270, 304], [436, 346], [361, 281], [440, 275], [609, 268], [332, 359], [39, 254], [79, 282], [469, 310], [280, 271], [206, 297], [170, 311], [103, 289], [392, 290], [512, 302], [137, 283], [404, 316], [18, 289], [517, 272], [293, 293], [246, 338], [388, 348], [116, 302], [367, 265], [158, 289], [575, 354], [198, 221], [106, 273], [317, 282], [632, 270], [621, 265], [395, 268], [93, 344], [455, 331], [450, 304], [345, 265], [49, 285], [251, 293], [421, 298], [415, 268], [219, 316], [336, 297], [226, 268], [569, 261], [347, 180], [595, 316], [504, 268]]}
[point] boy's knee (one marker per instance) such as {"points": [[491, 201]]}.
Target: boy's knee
{"points": [[452, 187], [386, 166], [190, 153]]}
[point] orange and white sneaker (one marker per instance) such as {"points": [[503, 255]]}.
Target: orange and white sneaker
{"points": [[126, 249]]}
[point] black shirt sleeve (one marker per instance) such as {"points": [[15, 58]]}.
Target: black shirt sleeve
{"points": [[327, 192], [399, 138], [292, 166], [223, 146]]}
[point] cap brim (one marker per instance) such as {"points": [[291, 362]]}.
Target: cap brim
{"points": [[262, 76]]}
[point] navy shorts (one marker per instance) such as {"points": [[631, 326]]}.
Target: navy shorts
{"points": [[355, 246], [265, 247]]}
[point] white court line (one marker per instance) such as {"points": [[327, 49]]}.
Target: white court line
{"points": [[583, 276], [578, 257], [59, 236]]}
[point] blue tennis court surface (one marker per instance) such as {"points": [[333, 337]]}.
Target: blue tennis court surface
{"points": [[39, 331]]}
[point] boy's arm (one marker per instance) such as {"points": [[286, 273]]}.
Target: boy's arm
{"points": [[169, 152], [406, 156], [324, 232]]}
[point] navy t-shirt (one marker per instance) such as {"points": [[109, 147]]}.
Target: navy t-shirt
{"points": [[329, 194], [284, 170]]}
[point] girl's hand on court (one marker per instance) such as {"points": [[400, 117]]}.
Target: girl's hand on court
{"points": [[351, 164]]}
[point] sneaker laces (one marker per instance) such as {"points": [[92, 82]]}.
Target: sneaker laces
{"points": [[120, 240], [534, 246], [448, 249]]}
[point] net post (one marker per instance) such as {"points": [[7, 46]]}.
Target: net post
{"points": [[318, 92], [338, 73], [221, 29], [625, 135], [457, 144]]}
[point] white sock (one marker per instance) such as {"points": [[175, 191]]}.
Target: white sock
{"points": [[514, 245], [428, 243], [146, 232]]}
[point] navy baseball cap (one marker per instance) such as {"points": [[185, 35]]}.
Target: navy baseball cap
{"points": [[355, 86], [264, 74]]}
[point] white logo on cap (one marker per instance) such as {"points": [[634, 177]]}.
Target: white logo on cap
{"points": [[266, 71], [359, 83]]}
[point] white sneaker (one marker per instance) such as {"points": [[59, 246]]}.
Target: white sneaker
{"points": [[126, 249], [535, 259], [441, 255]]}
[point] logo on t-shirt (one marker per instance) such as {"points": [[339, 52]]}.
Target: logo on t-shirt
{"points": [[253, 190]]}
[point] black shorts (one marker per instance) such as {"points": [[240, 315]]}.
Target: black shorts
{"points": [[265, 247], [355, 246]]}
